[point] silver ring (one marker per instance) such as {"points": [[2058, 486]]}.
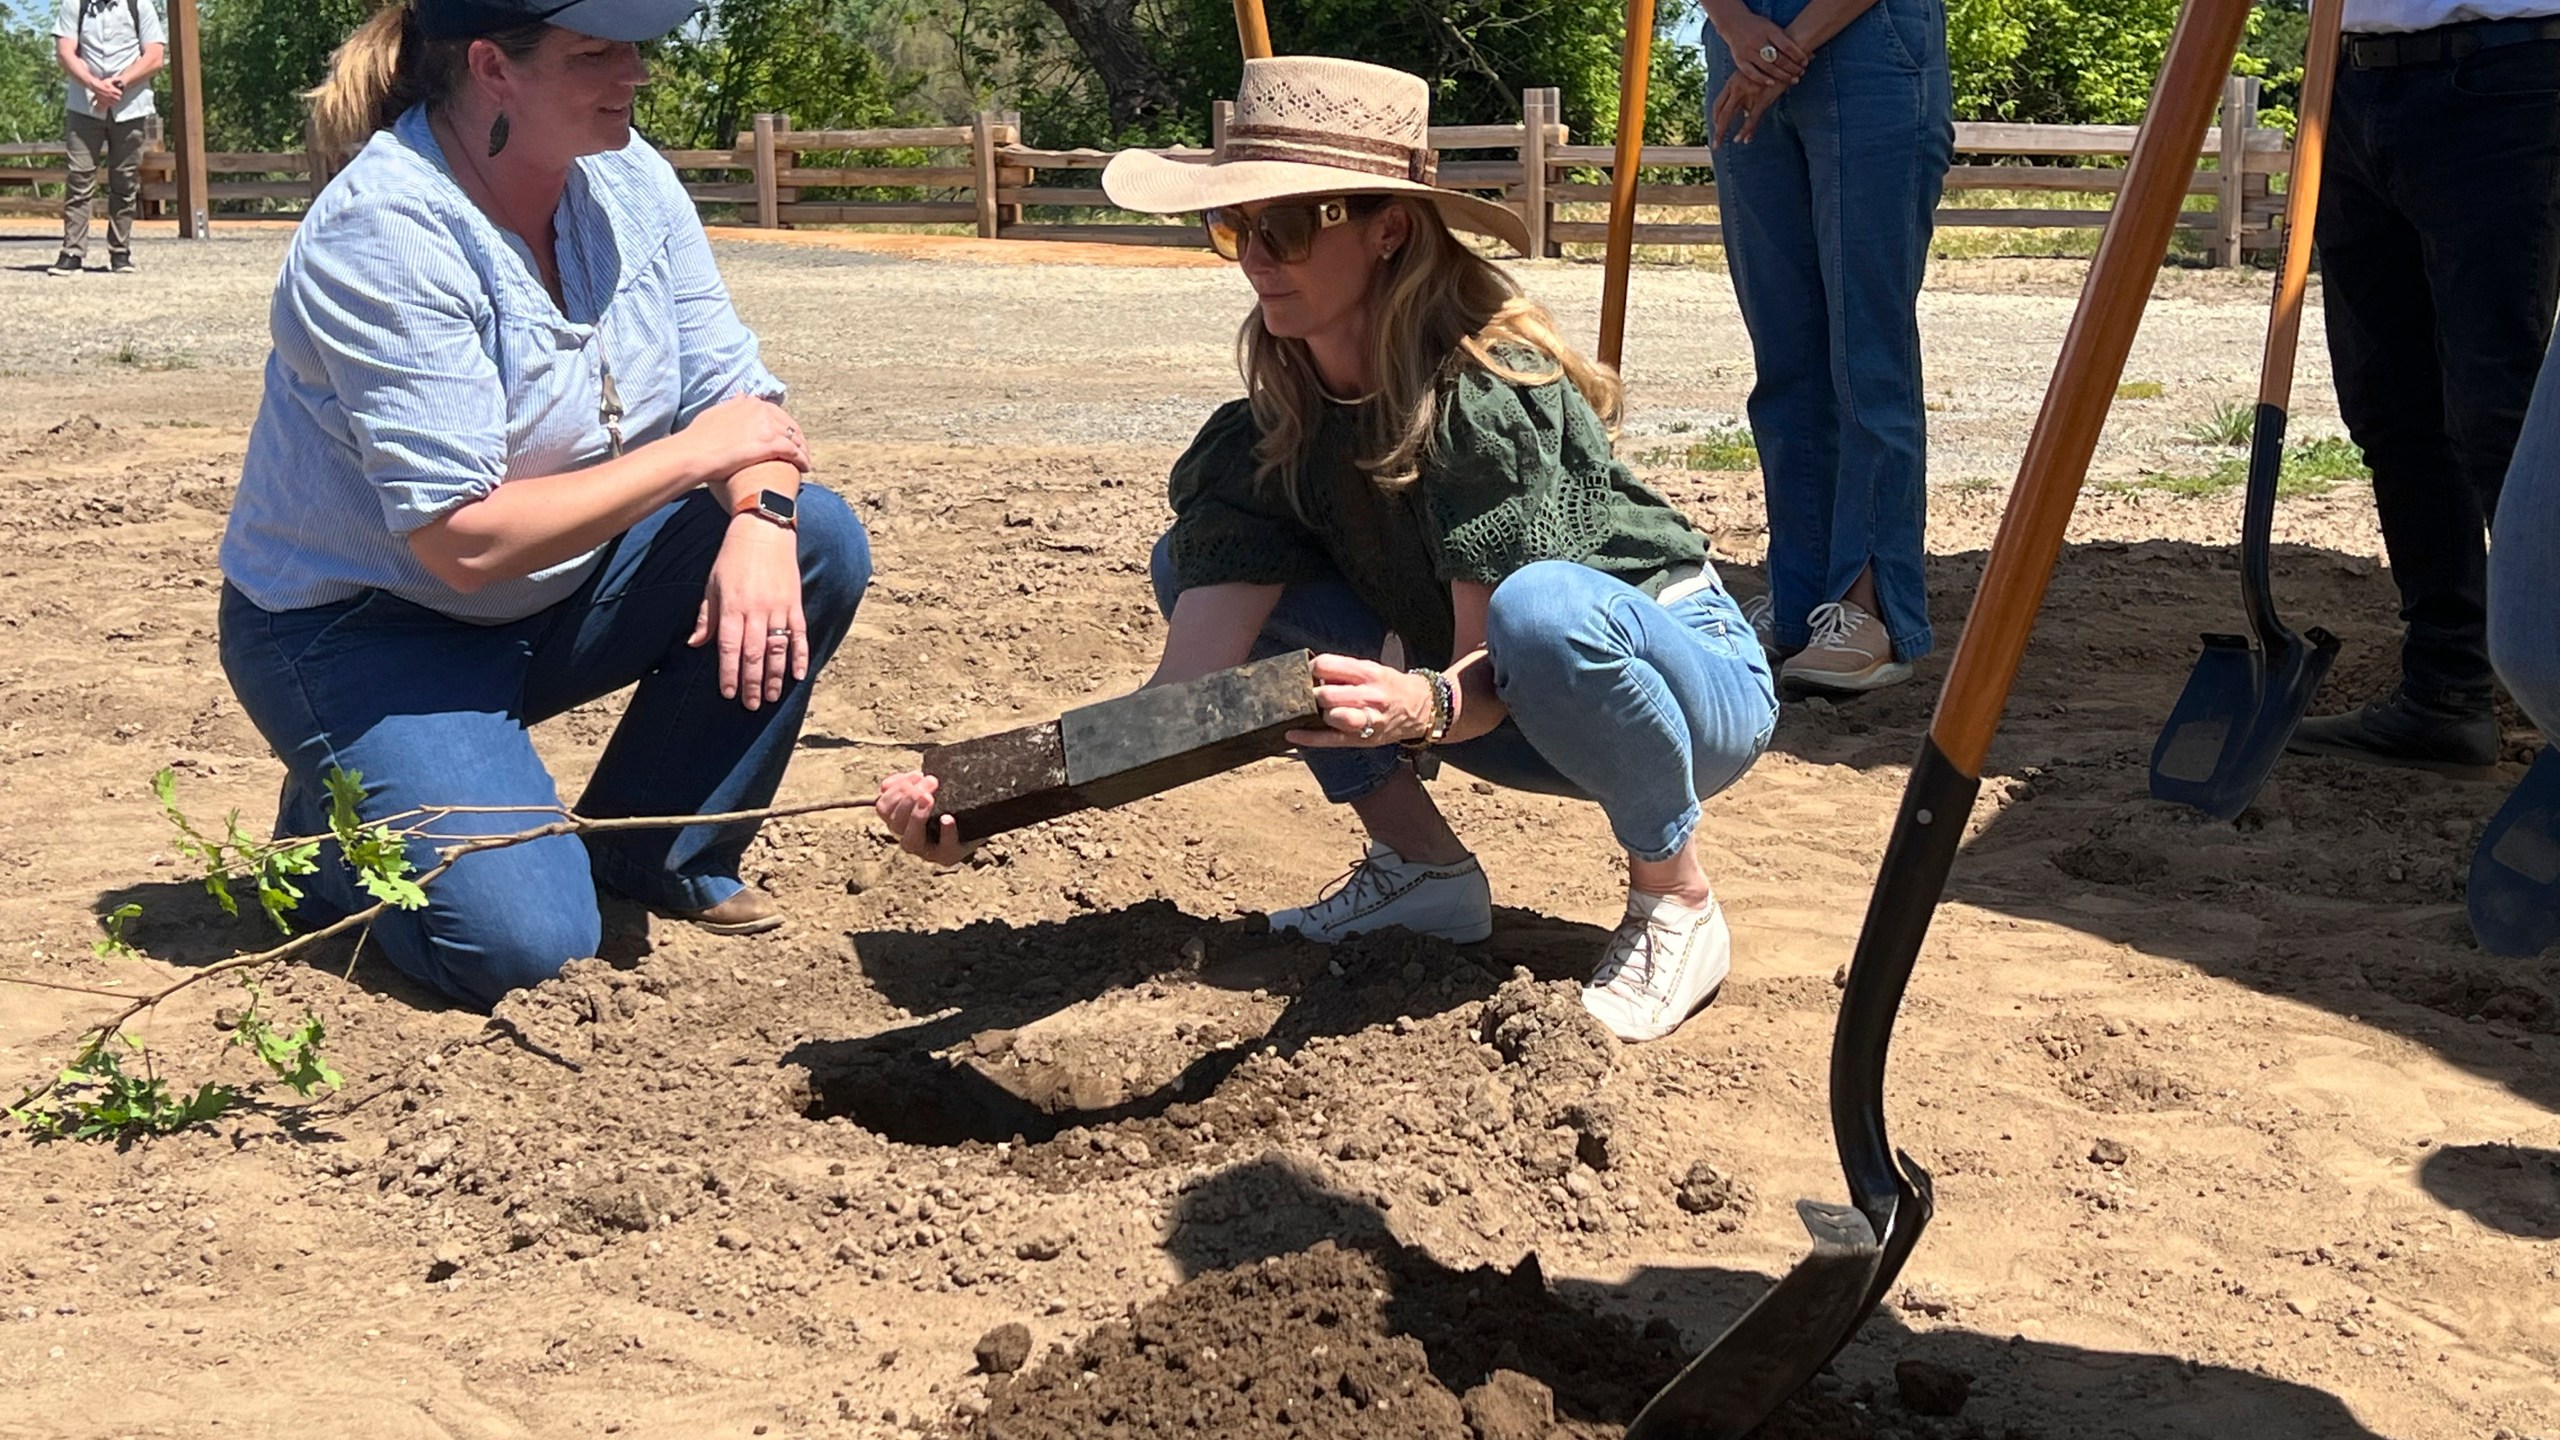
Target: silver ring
{"points": [[782, 634], [1368, 732], [1768, 52]]}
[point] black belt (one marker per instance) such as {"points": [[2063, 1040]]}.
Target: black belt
{"points": [[2446, 42]]}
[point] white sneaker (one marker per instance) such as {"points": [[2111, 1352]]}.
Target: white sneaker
{"points": [[1762, 612], [1664, 964], [1386, 891]]}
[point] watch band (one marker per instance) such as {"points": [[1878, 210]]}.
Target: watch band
{"points": [[773, 506]]}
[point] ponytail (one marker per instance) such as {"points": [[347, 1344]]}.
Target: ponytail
{"points": [[388, 65], [372, 77]]}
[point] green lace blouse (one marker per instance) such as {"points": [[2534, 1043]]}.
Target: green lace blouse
{"points": [[1515, 474]]}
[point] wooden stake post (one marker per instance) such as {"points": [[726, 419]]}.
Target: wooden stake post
{"points": [[186, 83], [1635, 68]]}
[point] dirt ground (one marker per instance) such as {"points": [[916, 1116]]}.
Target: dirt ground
{"points": [[2236, 1133]]}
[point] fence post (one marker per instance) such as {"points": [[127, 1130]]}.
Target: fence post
{"points": [[768, 199], [1008, 176], [982, 156], [186, 87], [1219, 114], [2239, 117], [315, 166], [785, 157], [1532, 198]]}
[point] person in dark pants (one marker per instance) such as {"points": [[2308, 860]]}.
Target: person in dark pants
{"points": [[110, 49], [2439, 239]]}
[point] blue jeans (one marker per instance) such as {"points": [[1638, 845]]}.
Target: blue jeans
{"points": [[2524, 564], [1613, 698], [435, 711], [1827, 217]]}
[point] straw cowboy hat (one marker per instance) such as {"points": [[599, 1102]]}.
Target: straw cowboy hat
{"points": [[1310, 126]]}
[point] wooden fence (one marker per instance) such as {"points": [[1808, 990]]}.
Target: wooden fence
{"points": [[982, 177]]}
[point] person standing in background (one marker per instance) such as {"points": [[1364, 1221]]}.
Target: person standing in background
{"points": [[2439, 239], [110, 49], [1833, 126]]}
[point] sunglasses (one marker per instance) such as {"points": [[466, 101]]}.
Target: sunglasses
{"points": [[1286, 231]]}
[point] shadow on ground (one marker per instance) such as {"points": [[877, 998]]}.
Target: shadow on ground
{"points": [[2341, 887], [1304, 1289]]}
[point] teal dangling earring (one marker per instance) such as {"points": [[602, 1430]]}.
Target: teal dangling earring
{"points": [[498, 134]]}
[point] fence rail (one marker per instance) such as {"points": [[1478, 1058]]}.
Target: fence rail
{"points": [[982, 177]]}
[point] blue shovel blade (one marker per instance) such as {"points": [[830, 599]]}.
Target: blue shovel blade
{"points": [[2231, 723], [2515, 874]]}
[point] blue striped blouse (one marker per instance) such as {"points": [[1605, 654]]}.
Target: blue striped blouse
{"points": [[419, 364]]}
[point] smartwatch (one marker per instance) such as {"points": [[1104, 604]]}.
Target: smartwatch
{"points": [[772, 505]]}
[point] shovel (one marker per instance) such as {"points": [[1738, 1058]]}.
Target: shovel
{"points": [[1635, 67], [2248, 692], [2514, 889], [1859, 1248]]}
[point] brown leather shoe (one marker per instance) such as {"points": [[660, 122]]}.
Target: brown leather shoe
{"points": [[749, 912]]}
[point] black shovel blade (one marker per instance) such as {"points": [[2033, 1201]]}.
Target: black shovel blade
{"points": [[1797, 1327], [1858, 1248], [2515, 874], [2231, 723]]}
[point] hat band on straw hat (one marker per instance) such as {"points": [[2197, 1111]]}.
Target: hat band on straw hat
{"points": [[1332, 148]]}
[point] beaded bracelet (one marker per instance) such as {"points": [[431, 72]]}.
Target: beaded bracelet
{"points": [[1444, 708]]}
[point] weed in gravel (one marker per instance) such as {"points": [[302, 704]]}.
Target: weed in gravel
{"points": [[2231, 423], [2139, 390], [1721, 446], [2312, 467], [135, 357]]}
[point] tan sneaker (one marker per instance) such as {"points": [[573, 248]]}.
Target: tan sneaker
{"points": [[749, 912], [1850, 653]]}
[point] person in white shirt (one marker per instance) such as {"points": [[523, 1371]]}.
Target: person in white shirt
{"points": [[110, 49], [2439, 238]]}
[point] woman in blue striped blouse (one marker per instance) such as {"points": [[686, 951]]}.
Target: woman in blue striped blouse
{"points": [[515, 453]]}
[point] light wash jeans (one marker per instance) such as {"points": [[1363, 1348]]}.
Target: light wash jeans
{"points": [[1827, 215], [2524, 564], [435, 711], [1613, 698]]}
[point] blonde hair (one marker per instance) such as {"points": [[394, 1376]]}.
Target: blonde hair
{"points": [[1439, 308], [388, 65]]}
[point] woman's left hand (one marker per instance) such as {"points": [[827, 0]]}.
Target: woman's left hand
{"points": [[1366, 704], [751, 609], [1738, 109]]}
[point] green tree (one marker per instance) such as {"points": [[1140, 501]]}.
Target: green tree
{"points": [[2063, 62], [259, 56], [30, 83], [742, 56]]}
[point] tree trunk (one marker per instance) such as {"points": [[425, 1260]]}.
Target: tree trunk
{"points": [[1106, 31]]}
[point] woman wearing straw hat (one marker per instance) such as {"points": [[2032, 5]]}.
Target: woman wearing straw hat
{"points": [[517, 453], [1420, 476]]}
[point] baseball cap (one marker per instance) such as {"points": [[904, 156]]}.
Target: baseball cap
{"points": [[632, 20]]}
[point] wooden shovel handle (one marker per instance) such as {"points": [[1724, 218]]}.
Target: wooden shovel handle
{"points": [[2301, 202], [1253, 32], [1634, 69], [2084, 380]]}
